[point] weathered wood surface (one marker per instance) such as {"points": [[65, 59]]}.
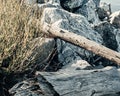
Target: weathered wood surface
{"points": [[99, 82], [81, 41]]}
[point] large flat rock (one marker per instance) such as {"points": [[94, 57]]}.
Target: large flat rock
{"points": [[97, 82]]}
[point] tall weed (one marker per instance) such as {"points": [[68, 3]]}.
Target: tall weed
{"points": [[18, 26]]}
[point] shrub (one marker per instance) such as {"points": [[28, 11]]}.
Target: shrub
{"points": [[18, 26]]}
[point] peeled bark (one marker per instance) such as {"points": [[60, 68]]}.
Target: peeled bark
{"points": [[82, 42]]}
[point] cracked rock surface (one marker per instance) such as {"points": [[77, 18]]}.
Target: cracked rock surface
{"points": [[72, 82], [97, 82]]}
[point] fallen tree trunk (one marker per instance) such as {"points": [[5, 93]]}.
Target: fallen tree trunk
{"points": [[82, 42]]}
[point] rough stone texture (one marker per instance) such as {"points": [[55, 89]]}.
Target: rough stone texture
{"points": [[108, 34], [97, 82], [85, 7], [115, 19], [78, 24], [71, 5], [117, 31], [72, 81], [97, 2], [40, 50], [106, 7], [89, 11], [104, 11], [102, 14], [31, 87], [80, 65]]}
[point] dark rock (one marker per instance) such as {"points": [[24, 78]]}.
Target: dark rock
{"points": [[99, 82], [108, 34], [26, 88], [84, 7], [106, 7], [89, 11], [102, 14], [115, 19], [40, 1], [74, 5], [31, 87], [71, 5], [117, 31]]}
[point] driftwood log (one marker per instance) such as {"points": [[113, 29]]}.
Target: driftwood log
{"points": [[82, 42]]}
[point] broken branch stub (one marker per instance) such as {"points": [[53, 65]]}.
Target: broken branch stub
{"points": [[82, 42]]}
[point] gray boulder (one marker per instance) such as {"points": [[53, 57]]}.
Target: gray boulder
{"points": [[89, 11], [79, 65], [97, 82], [71, 5], [117, 31], [85, 7], [108, 34], [71, 81], [102, 14], [68, 53], [32, 87], [97, 2], [115, 19], [106, 7]]}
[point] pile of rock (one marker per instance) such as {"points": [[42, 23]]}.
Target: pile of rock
{"points": [[83, 73]]}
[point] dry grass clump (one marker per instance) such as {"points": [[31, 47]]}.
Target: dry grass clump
{"points": [[18, 26]]}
